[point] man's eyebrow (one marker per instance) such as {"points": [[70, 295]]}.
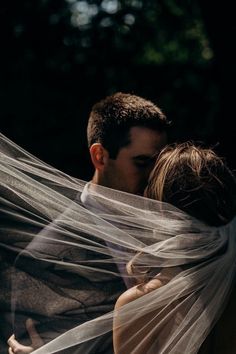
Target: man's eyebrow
{"points": [[144, 157]]}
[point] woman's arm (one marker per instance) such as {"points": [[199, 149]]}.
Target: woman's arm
{"points": [[123, 333], [138, 334]]}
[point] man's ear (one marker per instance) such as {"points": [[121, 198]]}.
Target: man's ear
{"points": [[99, 156]]}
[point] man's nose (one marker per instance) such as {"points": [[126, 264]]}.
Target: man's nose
{"points": [[145, 177], [149, 169]]}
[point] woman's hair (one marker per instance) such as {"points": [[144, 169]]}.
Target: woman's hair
{"points": [[196, 180]]}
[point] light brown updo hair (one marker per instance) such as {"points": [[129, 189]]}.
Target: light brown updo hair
{"points": [[196, 180]]}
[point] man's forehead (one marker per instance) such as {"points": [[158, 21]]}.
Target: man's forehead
{"points": [[145, 140], [143, 143]]}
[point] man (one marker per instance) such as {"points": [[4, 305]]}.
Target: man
{"points": [[125, 134]]}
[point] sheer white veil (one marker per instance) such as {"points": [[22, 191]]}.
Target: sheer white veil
{"points": [[64, 235]]}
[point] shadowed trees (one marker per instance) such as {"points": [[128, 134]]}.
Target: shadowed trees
{"points": [[59, 57]]}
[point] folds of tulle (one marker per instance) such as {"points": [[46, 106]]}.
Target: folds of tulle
{"points": [[64, 263]]}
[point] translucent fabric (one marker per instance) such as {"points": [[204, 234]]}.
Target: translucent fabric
{"points": [[65, 245]]}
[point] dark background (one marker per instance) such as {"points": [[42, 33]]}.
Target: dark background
{"points": [[59, 57]]}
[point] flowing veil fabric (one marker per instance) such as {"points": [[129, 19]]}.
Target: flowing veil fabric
{"points": [[64, 248]]}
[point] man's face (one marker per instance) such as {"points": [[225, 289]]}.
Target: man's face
{"points": [[130, 170]]}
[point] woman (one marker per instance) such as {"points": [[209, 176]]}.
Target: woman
{"points": [[197, 181], [181, 251]]}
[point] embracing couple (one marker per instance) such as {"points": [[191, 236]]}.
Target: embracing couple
{"points": [[127, 137]]}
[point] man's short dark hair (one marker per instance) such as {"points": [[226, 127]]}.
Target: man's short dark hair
{"points": [[111, 119]]}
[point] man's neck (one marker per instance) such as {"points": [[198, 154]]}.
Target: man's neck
{"points": [[98, 179]]}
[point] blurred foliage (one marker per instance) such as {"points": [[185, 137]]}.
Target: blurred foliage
{"points": [[59, 57]]}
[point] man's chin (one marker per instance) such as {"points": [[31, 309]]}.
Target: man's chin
{"points": [[141, 191]]}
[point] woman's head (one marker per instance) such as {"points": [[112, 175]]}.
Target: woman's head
{"points": [[195, 180]]}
